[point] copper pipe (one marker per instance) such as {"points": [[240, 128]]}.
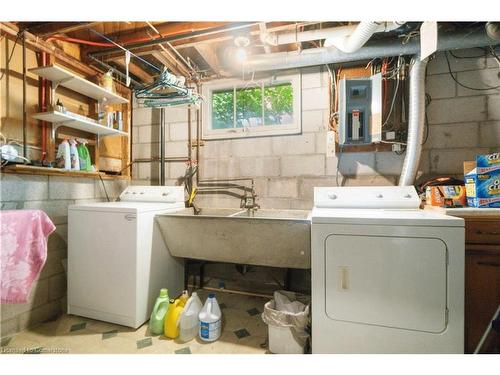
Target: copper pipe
{"points": [[25, 114], [189, 133], [198, 145]]}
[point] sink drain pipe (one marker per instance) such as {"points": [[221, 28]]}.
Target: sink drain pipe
{"points": [[416, 122]]}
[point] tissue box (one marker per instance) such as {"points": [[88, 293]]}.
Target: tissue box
{"points": [[447, 195], [482, 181]]}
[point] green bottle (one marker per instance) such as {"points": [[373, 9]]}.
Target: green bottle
{"points": [[84, 156], [160, 310]]}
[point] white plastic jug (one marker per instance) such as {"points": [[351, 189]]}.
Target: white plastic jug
{"points": [[210, 319], [189, 321]]}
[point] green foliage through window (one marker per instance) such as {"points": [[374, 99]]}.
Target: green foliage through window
{"points": [[253, 106]]}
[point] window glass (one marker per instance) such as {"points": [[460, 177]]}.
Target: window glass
{"points": [[223, 109], [249, 107], [278, 104]]}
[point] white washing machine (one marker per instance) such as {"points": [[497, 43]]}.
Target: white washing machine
{"points": [[387, 277], [117, 259]]}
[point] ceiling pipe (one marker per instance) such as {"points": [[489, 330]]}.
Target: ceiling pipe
{"points": [[360, 35], [447, 40], [173, 38], [275, 39], [416, 122]]}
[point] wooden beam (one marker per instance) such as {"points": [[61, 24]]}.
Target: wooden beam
{"points": [[136, 70], [208, 52], [174, 66], [61, 29], [41, 45], [166, 29], [59, 55]]}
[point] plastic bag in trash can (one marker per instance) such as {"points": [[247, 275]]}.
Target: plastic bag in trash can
{"points": [[285, 310]]}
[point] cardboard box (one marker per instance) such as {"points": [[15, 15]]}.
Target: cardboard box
{"points": [[447, 195], [482, 181]]}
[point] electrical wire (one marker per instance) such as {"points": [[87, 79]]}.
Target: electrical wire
{"points": [[103, 186], [124, 49], [461, 84], [428, 100], [11, 54]]}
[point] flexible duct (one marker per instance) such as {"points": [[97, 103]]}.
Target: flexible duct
{"points": [[339, 32], [356, 40], [416, 121], [448, 40]]}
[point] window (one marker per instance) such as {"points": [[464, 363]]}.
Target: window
{"points": [[237, 109]]}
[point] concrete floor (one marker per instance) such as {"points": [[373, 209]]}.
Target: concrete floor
{"points": [[243, 331]]}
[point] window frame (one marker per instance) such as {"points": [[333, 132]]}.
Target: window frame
{"points": [[208, 88]]}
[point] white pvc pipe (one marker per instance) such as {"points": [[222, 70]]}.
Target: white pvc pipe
{"points": [[416, 122]]}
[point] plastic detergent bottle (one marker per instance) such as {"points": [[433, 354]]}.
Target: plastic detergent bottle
{"points": [[171, 327], [84, 156], [210, 319], [75, 160], [63, 158], [189, 321], [160, 310]]}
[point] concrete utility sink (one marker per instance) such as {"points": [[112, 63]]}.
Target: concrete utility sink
{"points": [[275, 238]]}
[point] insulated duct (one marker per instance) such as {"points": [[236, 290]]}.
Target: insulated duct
{"points": [[339, 32], [447, 40], [416, 122], [356, 40]]}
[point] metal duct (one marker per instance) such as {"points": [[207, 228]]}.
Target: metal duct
{"points": [[330, 32], [356, 40], [447, 40], [416, 122]]}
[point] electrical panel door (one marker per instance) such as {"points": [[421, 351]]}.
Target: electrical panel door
{"points": [[359, 110]]}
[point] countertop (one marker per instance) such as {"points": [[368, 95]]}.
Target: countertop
{"points": [[467, 212]]}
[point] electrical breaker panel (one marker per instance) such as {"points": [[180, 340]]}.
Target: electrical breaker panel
{"points": [[360, 110]]}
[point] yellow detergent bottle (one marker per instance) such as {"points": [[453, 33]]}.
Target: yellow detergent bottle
{"points": [[171, 328]]}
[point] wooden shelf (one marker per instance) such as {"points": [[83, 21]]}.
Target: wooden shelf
{"points": [[77, 122], [33, 170], [67, 79]]}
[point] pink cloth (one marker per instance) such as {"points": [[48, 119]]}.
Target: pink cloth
{"points": [[23, 240]]}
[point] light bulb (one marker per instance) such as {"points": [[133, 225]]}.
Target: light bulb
{"points": [[241, 54]]}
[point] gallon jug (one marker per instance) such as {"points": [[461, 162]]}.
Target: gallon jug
{"points": [[160, 310], [63, 157], [171, 327], [75, 159], [210, 319], [189, 322]]}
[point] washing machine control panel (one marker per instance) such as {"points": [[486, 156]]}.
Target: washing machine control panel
{"points": [[162, 194]]}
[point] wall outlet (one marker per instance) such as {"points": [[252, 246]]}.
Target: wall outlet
{"points": [[396, 147], [390, 136]]}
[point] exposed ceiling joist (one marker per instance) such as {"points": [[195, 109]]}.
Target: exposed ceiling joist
{"points": [[62, 28], [173, 66], [136, 71], [165, 30], [208, 53]]}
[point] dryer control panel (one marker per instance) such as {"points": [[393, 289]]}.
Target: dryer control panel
{"points": [[388, 197]]}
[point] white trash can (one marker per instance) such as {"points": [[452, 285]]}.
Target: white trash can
{"points": [[288, 321]]}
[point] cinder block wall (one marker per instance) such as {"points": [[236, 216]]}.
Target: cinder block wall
{"points": [[463, 123], [53, 195]]}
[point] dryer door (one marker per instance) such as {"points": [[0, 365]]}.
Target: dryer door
{"points": [[395, 282]]}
